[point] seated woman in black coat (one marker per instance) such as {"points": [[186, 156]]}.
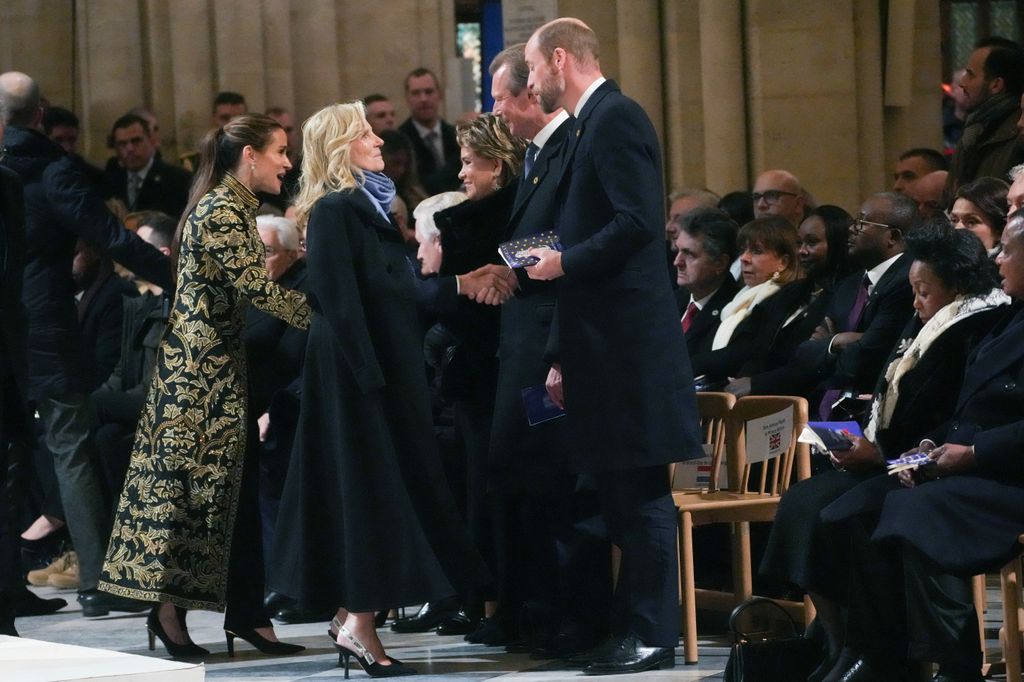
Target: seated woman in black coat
{"points": [[794, 313], [956, 298], [980, 207], [768, 262]]}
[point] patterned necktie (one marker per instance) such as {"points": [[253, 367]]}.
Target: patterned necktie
{"points": [[531, 156], [134, 184], [691, 312]]}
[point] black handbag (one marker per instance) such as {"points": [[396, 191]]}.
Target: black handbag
{"points": [[767, 646]]}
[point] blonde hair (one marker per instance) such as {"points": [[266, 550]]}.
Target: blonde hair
{"points": [[489, 137], [327, 137]]}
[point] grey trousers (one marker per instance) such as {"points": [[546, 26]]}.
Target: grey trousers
{"points": [[66, 422]]}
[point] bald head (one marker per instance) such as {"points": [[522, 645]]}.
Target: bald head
{"points": [[779, 192], [926, 192], [19, 100]]}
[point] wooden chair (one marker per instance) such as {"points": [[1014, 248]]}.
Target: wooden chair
{"points": [[713, 408], [740, 503], [1011, 635]]}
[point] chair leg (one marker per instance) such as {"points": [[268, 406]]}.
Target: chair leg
{"points": [[742, 578], [688, 593], [978, 587], [1010, 634]]}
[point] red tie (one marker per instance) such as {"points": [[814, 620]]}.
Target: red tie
{"points": [[691, 312]]}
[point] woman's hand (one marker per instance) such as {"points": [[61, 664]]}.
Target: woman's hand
{"points": [[264, 425], [739, 387], [861, 457], [491, 284]]}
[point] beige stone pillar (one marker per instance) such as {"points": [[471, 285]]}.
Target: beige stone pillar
{"points": [[158, 71], [639, 49], [314, 43], [723, 92], [802, 95], [277, 56], [238, 43], [36, 37], [191, 51], [870, 131], [683, 115], [109, 69]]}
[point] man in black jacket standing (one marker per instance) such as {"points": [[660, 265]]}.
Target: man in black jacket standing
{"points": [[437, 151], [628, 390], [59, 208], [141, 179]]}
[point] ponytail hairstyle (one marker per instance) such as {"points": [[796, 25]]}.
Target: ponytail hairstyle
{"points": [[327, 138], [219, 153]]}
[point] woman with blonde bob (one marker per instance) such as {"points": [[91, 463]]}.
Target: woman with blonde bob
{"points": [[367, 521]]}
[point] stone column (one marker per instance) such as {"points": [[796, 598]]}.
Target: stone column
{"points": [[37, 37], [191, 52], [683, 117], [723, 92], [314, 41]]}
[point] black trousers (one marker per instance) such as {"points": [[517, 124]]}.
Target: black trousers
{"points": [[641, 519], [244, 597], [904, 606], [10, 565]]}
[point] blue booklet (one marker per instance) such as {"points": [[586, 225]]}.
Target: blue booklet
{"points": [[515, 253], [831, 436], [538, 405]]}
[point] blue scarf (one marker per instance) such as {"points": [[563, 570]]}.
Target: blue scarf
{"points": [[381, 191]]}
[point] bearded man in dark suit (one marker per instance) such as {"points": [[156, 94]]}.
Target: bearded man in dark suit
{"points": [[628, 388]]}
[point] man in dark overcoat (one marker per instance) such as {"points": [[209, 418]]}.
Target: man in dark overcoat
{"points": [[628, 388]]}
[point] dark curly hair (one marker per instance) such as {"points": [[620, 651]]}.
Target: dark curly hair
{"points": [[957, 257]]}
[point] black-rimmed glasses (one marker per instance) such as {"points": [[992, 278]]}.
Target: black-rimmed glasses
{"points": [[771, 196]]}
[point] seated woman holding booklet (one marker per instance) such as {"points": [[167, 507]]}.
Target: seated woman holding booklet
{"points": [[956, 299]]}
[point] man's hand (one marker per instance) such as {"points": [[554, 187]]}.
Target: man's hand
{"points": [[844, 339], [490, 284], [825, 330], [264, 425], [862, 456], [548, 267], [950, 459], [739, 387], [553, 384]]}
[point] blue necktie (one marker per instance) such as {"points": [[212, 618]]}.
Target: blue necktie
{"points": [[531, 156]]}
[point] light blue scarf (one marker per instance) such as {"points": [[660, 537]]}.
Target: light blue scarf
{"points": [[381, 191]]}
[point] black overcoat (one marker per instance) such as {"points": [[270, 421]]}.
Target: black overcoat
{"points": [[366, 518], [628, 386], [524, 456]]}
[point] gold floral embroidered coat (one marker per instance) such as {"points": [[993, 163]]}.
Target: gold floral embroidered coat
{"points": [[172, 532]]}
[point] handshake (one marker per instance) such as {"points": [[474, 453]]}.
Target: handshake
{"points": [[490, 284]]}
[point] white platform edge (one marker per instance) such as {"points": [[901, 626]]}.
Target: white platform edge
{"points": [[30, 660]]}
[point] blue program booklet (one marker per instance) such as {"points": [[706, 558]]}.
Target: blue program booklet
{"points": [[832, 436], [515, 255], [538, 405]]}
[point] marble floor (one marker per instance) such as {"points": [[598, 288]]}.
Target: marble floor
{"points": [[435, 657]]}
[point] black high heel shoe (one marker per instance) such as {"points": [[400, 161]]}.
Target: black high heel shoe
{"points": [[156, 631], [366, 660], [262, 644]]}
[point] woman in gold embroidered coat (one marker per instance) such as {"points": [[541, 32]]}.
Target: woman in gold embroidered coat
{"points": [[184, 499]]}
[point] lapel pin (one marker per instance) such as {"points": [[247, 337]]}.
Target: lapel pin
{"points": [[535, 179], [577, 133], [714, 313]]}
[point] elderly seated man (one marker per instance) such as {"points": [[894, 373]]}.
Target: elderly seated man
{"points": [[916, 546]]}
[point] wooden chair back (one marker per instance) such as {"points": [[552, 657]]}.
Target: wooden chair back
{"points": [[713, 409], [774, 475]]}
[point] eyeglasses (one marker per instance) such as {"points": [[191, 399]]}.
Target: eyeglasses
{"points": [[771, 196], [859, 224]]}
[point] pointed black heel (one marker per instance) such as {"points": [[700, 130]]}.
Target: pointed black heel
{"points": [[262, 644], [365, 659], [156, 631]]}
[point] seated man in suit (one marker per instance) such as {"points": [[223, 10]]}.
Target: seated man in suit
{"points": [[140, 179], [117, 403], [438, 158], [870, 307], [706, 246], [911, 595]]}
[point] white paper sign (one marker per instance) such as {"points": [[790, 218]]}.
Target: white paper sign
{"points": [[769, 436], [696, 473]]}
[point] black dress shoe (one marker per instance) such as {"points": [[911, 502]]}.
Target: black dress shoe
{"points": [[632, 656], [275, 601], [296, 614], [868, 670], [27, 603], [428, 617], [587, 655], [491, 632], [459, 624], [95, 603]]}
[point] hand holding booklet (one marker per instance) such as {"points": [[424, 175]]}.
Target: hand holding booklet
{"points": [[516, 252], [912, 461], [830, 436]]}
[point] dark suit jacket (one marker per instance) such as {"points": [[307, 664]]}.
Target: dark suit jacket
{"points": [[968, 523], [889, 306], [627, 387], [12, 264], [100, 317], [523, 456], [436, 180], [164, 189], [701, 333]]}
